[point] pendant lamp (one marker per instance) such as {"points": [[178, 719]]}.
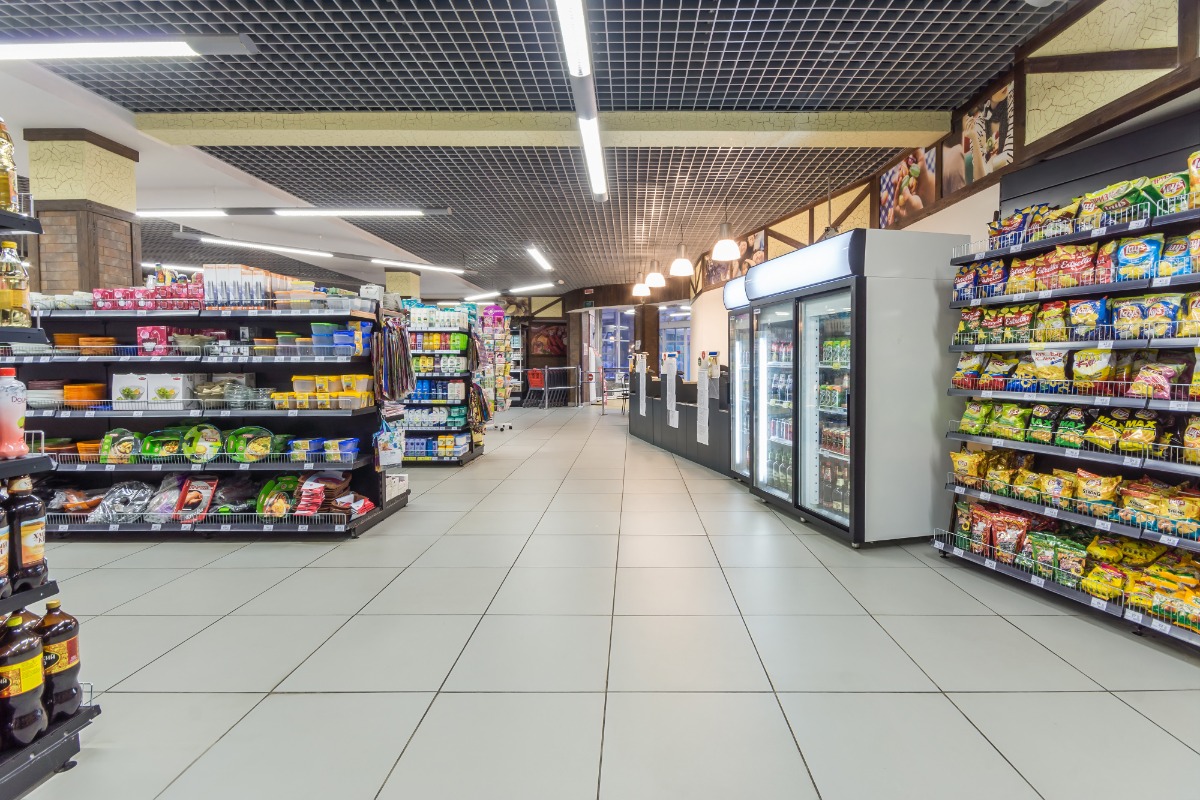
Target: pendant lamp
{"points": [[654, 278], [726, 248], [681, 267], [640, 289]]}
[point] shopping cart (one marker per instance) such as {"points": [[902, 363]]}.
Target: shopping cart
{"points": [[537, 388]]}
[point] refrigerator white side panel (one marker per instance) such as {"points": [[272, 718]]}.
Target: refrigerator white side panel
{"points": [[908, 368]]}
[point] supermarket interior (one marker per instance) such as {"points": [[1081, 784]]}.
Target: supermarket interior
{"points": [[697, 400]]}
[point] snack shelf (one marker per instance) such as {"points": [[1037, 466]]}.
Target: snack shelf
{"points": [[1085, 229], [327, 522], [944, 542], [466, 457], [81, 313], [436, 352], [10, 221], [24, 599], [435, 429], [24, 768], [294, 313], [1108, 526], [194, 413], [275, 462], [313, 359], [1055, 397], [434, 402], [1081, 454], [26, 465], [1079, 344], [1086, 290], [459, 375]]}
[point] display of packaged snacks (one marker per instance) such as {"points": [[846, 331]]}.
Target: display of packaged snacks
{"points": [[1154, 380], [1106, 581], [1189, 316], [1091, 367], [1022, 276], [1170, 188], [1162, 311], [1142, 430], [992, 277], [1051, 323], [976, 415], [1105, 431], [968, 324], [980, 539], [1137, 257], [1096, 494], [1087, 316], [1076, 264], [1009, 421], [195, 498], [1070, 558], [966, 279], [997, 370], [1008, 535], [1018, 322], [1051, 365], [1072, 423], [1176, 257], [1042, 419], [1128, 315]]}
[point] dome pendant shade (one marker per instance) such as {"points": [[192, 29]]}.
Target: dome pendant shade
{"points": [[654, 278], [681, 267], [726, 248], [640, 289]]}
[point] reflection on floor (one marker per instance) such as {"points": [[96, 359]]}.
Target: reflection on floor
{"points": [[578, 614]]}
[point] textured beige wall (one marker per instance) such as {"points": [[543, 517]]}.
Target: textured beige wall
{"points": [[776, 248], [403, 283], [81, 171], [1118, 25], [1056, 99]]}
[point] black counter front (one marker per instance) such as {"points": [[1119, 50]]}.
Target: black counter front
{"points": [[681, 441]]}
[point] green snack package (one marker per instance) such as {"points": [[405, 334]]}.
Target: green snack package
{"points": [[1070, 557], [1042, 419], [1071, 425], [1009, 422], [975, 417]]}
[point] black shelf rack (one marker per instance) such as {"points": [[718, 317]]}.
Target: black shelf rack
{"points": [[19, 223], [474, 450]]}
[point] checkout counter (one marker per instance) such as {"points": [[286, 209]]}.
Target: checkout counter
{"points": [[681, 441]]}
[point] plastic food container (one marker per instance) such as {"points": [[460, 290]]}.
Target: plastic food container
{"points": [[304, 383], [280, 400], [304, 347], [350, 400], [345, 454], [300, 400], [332, 445], [324, 329], [329, 383], [305, 455], [323, 400], [358, 383], [307, 444]]}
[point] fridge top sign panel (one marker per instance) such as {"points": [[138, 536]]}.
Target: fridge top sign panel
{"points": [[735, 293], [834, 258]]}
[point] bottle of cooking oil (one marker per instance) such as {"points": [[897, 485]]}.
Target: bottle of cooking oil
{"points": [[8, 172], [15, 310]]}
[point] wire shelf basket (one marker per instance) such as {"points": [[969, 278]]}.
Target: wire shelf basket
{"points": [[1134, 217]]}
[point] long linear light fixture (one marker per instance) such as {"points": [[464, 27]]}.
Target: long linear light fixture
{"points": [[484, 296], [540, 258], [186, 47], [299, 251], [516, 290], [572, 21], [305, 211]]}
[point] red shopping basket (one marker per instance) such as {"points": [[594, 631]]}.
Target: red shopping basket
{"points": [[537, 378]]}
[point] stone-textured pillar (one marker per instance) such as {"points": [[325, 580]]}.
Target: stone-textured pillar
{"points": [[405, 284], [85, 194]]}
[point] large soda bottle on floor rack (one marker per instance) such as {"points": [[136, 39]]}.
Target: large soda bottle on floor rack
{"points": [[27, 536], [5, 581], [22, 717], [60, 660]]}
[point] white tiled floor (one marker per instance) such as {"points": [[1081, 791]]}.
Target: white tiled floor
{"points": [[580, 615]]}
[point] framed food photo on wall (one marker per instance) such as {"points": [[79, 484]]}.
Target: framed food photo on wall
{"points": [[754, 251], [547, 339], [908, 187], [981, 140]]}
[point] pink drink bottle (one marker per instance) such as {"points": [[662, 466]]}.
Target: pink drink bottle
{"points": [[12, 415]]}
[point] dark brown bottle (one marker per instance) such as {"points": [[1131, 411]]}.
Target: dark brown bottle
{"points": [[28, 618], [27, 535], [5, 582], [22, 717], [60, 661]]}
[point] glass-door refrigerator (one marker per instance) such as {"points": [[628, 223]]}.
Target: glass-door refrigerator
{"points": [[739, 395], [774, 386], [825, 424]]}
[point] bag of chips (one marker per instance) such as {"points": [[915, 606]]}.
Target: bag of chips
{"points": [[1022, 276], [1106, 548], [1018, 322], [1058, 489], [1193, 173], [980, 539], [1154, 380], [1076, 264], [1105, 581], [1170, 191], [1162, 312], [968, 325], [1189, 316], [1072, 423], [1046, 272], [1069, 557], [1087, 317], [975, 417], [1181, 515], [969, 467], [1138, 553], [1140, 507], [1120, 198], [999, 479], [1096, 494], [992, 277], [1024, 377], [1051, 366], [1191, 441], [1128, 314], [1027, 486], [966, 279], [1042, 418], [1176, 257], [966, 374], [1009, 421], [997, 370], [1106, 430], [1091, 371], [1008, 535], [991, 326], [1051, 322], [1058, 221], [1137, 257], [1106, 262], [1140, 432]]}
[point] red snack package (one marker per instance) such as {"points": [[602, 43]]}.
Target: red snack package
{"points": [[1047, 273], [1076, 264], [981, 530], [1008, 535]]}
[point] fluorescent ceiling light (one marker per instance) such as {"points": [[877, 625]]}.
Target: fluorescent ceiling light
{"points": [[296, 251], [539, 258], [173, 267], [631, 311], [189, 47], [677, 316], [520, 289], [572, 20], [686, 308], [350, 212], [483, 296], [168, 213], [383, 262], [593, 154]]}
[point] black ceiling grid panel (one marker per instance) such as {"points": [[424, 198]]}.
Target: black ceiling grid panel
{"points": [[159, 246], [506, 198], [503, 55]]}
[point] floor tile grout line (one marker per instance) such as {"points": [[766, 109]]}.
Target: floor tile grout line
{"points": [[1153, 722], [995, 747]]}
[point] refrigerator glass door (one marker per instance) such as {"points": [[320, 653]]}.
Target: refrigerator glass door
{"points": [[825, 407], [739, 366], [774, 382]]}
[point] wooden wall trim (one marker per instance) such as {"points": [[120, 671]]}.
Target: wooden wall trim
{"points": [[86, 205], [1151, 58], [853, 205], [1069, 18], [783, 237], [1189, 30], [80, 135]]}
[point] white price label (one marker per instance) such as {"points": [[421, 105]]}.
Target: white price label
{"points": [[979, 348], [1029, 396], [1100, 603], [276, 312], [1160, 626], [1052, 513], [293, 358], [308, 465], [1018, 297], [989, 563], [1102, 401], [91, 312], [1137, 224], [197, 467], [225, 312], [186, 526], [960, 490], [1044, 294], [1016, 248], [939, 545], [1131, 461], [44, 360], [64, 414], [89, 413], [1098, 232], [997, 443], [292, 412], [987, 394], [194, 412], [957, 551], [85, 358], [156, 358], [224, 413], [1037, 581], [1178, 405], [80, 467], [112, 527], [1169, 541], [226, 527], [123, 358], [975, 301], [1133, 616], [139, 413], [156, 526], [1157, 283], [1104, 344], [243, 466], [302, 528], [141, 312], [985, 497], [156, 467], [268, 527], [252, 312], [339, 528], [110, 467], [1103, 525]]}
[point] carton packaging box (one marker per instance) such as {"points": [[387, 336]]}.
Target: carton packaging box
{"points": [[129, 391], [170, 390]]}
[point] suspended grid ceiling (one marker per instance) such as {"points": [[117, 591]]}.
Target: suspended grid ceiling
{"points": [[506, 198], [491, 55]]}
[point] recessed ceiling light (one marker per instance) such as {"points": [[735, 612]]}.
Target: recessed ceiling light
{"points": [[537, 256]]}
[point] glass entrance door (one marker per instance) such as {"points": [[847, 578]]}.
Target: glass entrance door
{"points": [[774, 383], [825, 407], [739, 369]]}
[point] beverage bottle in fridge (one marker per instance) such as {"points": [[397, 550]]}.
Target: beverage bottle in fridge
{"points": [[12, 415], [15, 308], [788, 394], [60, 662], [27, 535], [22, 717], [5, 581]]}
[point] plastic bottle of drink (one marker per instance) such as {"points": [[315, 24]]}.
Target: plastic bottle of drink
{"points": [[22, 718], [12, 415], [8, 172], [29, 620], [15, 310], [27, 535], [5, 581], [60, 661]]}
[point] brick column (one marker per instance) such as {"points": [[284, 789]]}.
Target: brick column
{"points": [[85, 195]]}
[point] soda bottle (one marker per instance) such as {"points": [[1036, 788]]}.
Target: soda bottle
{"points": [[60, 661], [28, 619], [22, 718], [12, 415], [5, 582], [15, 309], [27, 535], [9, 201]]}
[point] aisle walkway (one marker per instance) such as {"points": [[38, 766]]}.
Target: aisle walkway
{"points": [[578, 614]]}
